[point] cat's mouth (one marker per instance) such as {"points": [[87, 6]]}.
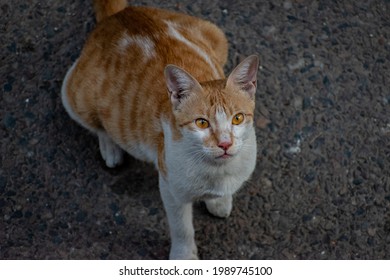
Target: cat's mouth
{"points": [[224, 156]]}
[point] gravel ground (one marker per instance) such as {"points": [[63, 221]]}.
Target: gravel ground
{"points": [[321, 188]]}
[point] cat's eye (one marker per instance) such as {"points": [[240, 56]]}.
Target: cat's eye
{"points": [[238, 119], [202, 123]]}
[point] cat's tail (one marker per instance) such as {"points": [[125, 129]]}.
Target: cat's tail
{"points": [[106, 8]]}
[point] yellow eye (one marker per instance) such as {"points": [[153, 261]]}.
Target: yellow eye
{"points": [[202, 123], [238, 119]]}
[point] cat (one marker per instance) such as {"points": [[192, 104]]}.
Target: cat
{"points": [[150, 82]]}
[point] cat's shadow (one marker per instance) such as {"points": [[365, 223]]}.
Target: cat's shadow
{"points": [[136, 184], [132, 177]]}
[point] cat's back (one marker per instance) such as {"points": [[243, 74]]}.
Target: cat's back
{"points": [[164, 37], [118, 84]]}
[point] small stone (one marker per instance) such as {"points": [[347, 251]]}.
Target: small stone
{"points": [[319, 64], [266, 183], [297, 65], [298, 101], [371, 231]]}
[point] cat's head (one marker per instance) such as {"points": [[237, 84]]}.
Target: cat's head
{"points": [[215, 117]]}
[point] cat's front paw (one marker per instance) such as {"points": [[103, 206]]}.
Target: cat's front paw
{"points": [[220, 207], [111, 152], [184, 253]]}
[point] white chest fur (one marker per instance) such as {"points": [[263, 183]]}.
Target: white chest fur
{"points": [[191, 177]]}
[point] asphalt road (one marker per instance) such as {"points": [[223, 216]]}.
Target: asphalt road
{"points": [[321, 188]]}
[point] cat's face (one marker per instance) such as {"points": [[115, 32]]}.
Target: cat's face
{"points": [[216, 121], [215, 117]]}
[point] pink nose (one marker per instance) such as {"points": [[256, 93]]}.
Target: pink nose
{"points": [[225, 145]]}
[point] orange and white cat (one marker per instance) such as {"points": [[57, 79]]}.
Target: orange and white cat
{"points": [[150, 82]]}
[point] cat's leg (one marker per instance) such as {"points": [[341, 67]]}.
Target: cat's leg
{"points": [[181, 229], [221, 206], [111, 152]]}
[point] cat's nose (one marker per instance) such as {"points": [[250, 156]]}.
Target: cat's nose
{"points": [[225, 145]]}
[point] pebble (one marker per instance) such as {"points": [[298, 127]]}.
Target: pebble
{"points": [[298, 101], [297, 65], [266, 183], [371, 231]]}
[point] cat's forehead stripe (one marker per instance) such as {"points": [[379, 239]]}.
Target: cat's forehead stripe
{"points": [[220, 114], [221, 119]]}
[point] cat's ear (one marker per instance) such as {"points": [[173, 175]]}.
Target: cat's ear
{"points": [[244, 76], [180, 84]]}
